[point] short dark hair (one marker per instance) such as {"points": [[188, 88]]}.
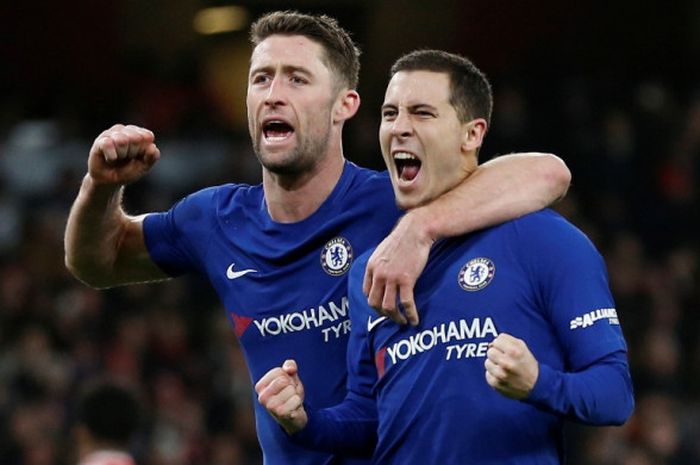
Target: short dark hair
{"points": [[470, 91], [341, 54], [110, 412]]}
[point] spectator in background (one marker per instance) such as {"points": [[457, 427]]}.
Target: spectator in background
{"points": [[108, 418]]}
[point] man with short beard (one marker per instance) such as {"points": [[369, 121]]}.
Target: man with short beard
{"points": [[518, 330], [278, 253]]}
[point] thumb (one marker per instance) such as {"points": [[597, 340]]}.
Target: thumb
{"points": [[290, 367]]}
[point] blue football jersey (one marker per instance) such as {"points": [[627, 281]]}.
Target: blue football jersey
{"points": [[284, 286], [537, 278]]}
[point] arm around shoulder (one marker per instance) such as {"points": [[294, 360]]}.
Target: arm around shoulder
{"points": [[541, 167], [502, 189]]}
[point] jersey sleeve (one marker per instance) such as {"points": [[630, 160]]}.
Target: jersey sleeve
{"points": [[349, 428], [600, 394], [571, 278], [571, 282], [176, 240]]}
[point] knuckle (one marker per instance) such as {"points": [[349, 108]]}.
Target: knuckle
{"points": [[507, 365]]}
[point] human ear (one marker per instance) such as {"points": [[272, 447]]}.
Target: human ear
{"points": [[346, 106], [473, 134]]}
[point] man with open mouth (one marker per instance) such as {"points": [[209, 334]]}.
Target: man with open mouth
{"points": [[278, 254], [518, 329]]}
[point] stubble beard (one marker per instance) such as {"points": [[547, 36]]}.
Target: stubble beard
{"points": [[300, 160]]}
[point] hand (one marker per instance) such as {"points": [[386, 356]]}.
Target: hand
{"points": [[122, 155], [281, 392], [511, 369], [395, 266]]}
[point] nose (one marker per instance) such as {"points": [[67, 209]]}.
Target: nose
{"points": [[275, 94], [402, 126]]}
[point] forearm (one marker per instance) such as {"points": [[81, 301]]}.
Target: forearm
{"points": [[349, 428], [599, 395], [96, 227], [502, 189]]}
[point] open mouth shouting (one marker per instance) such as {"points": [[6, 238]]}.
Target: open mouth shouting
{"points": [[407, 166], [276, 130]]}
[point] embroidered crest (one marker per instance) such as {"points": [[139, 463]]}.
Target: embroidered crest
{"points": [[336, 256], [476, 274]]}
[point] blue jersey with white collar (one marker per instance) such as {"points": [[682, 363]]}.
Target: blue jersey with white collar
{"points": [[537, 278], [284, 286]]}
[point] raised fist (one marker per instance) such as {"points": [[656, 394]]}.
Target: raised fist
{"points": [[122, 155]]}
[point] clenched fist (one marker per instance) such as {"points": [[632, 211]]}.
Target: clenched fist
{"points": [[122, 155], [281, 392], [511, 369]]}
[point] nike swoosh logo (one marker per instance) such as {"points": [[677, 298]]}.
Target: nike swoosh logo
{"points": [[230, 274], [371, 324]]}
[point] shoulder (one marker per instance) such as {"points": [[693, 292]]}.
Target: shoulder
{"points": [[546, 227], [201, 210], [225, 192], [107, 457], [365, 178], [547, 240], [369, 193], [219, 199]]}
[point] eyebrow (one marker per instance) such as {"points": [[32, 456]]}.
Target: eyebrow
{"points": [[286, 69], [411, 108]]}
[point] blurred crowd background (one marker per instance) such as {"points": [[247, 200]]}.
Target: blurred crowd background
{"points": [[611, 87]]}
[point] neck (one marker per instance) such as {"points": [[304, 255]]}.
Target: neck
{"points": [[293, 198]]}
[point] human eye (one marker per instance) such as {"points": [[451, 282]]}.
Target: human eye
{"points": [[259, 78], [388, 113], [297, 79], [424, 113]]}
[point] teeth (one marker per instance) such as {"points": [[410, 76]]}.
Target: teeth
{"points": [[404, 156], [274, 139]]}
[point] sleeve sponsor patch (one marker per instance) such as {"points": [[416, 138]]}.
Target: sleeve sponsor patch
{"points": [[590, 318]]}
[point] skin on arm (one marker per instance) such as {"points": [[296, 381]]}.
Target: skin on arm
{"points": [[501, 189], [281, 392], [104, 247]]}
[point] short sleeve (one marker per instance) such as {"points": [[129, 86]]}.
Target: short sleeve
{"points": [[176, 240]]}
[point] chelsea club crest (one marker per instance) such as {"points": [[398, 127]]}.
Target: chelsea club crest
{"points": [[476, 274], [336, 256]]}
